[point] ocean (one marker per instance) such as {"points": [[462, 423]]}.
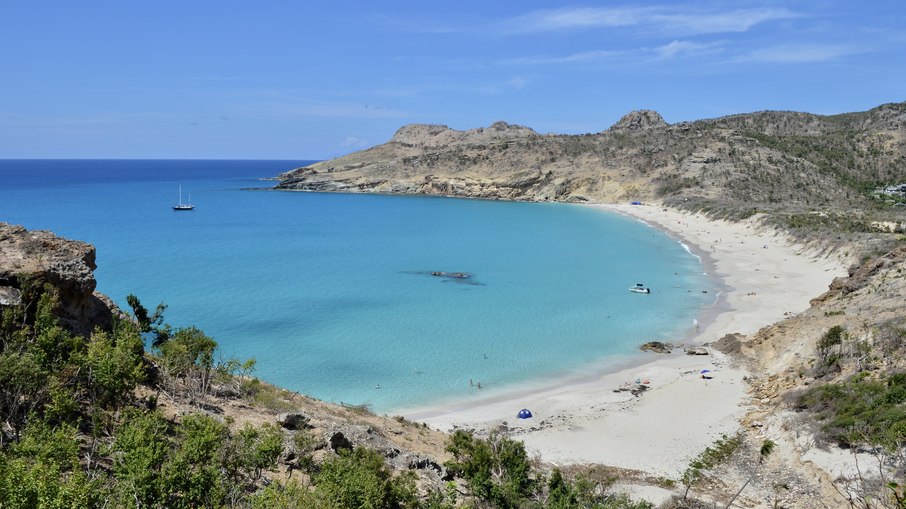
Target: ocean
{"points": [[333, 294]]}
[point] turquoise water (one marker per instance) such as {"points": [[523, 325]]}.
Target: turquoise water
{"points": [[332, 293]]}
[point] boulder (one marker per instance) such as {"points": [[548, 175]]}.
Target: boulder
{"points": [[293, 421], [696, 350], [339, 441], [656, 347], [10, 296]]}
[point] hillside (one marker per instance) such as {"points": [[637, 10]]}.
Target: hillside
{"points": [[765, 161], [101, 408], [106, 408]]}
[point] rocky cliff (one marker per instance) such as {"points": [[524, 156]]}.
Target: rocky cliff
{"points": [[761, 160], [39, 257]]}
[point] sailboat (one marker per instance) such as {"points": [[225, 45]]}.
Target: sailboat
{"points": [[181, 205]]}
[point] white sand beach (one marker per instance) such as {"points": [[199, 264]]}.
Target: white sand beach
{"points": [[766, 279]]}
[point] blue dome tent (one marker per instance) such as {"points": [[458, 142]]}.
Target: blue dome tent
{"points": [[525, 413]]}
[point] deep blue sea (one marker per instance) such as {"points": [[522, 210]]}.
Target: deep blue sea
{"points": [[332, 293]]}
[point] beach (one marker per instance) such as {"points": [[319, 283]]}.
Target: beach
{"points": [[764, 278]]}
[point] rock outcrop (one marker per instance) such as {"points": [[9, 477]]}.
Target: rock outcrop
{"points": [[758, 161], [640, 119], [657, 347], [39, 257]]}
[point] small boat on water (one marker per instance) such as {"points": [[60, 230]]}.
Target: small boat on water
{"points": [[181, 205], [639, 288]]}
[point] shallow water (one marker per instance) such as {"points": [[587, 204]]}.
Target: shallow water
{"points": [[333, 293]]}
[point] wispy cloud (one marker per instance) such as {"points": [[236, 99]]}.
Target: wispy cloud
{"points": [[665, 20], [354, 142], [802, 53], [517, 82], [674, 49]]}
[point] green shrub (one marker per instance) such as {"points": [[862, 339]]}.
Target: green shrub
{"points": [[360, 479], [861, 410]]}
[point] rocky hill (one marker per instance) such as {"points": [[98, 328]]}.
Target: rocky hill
{"points": [[763, 160]]}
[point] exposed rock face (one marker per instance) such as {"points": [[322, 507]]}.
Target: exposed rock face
{"points": [[860, 275], [434, 135], [760, 161], [640, 119], [42, 257]]}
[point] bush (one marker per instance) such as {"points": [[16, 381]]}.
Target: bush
{"points": [[861, 410], [359, 479], [496, 469]]}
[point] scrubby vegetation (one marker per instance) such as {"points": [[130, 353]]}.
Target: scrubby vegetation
{"points": [[82, 429], [863, 410], [859, 403]]}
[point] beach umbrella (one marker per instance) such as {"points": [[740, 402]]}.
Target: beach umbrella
{"points": [[705, 371], [525, 413]]}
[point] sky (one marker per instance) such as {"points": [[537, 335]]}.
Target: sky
{"points": [[269, 79]]}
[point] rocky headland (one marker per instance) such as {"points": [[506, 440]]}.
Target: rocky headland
{"points": [[771, 160]]}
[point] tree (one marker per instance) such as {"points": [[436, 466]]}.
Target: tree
{"points": [[291, 495], [22, 387], [192, 476], [360, 480], [496, 469], [115, 364], [42, 470], [560, 493], [139, 452], [150, 323], [258, 449], [187, 362]]}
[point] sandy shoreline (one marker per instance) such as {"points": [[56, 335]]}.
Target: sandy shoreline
{"points": [[581, 420]]}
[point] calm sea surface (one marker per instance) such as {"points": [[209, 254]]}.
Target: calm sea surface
{"points": [[332, 293]]}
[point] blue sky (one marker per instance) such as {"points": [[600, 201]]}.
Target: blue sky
{"points": [[298, 80]]}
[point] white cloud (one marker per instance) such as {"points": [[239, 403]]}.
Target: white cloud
{"points": [[685, 48], [801, 53], [517, 82], [354, 142], [674, 49], [583, 56], [673, 20]]}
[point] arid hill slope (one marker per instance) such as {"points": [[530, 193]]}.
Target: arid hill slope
{"points": [[755, 160]]}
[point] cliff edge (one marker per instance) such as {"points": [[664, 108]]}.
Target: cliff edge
{"points": [[39, 257]]}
